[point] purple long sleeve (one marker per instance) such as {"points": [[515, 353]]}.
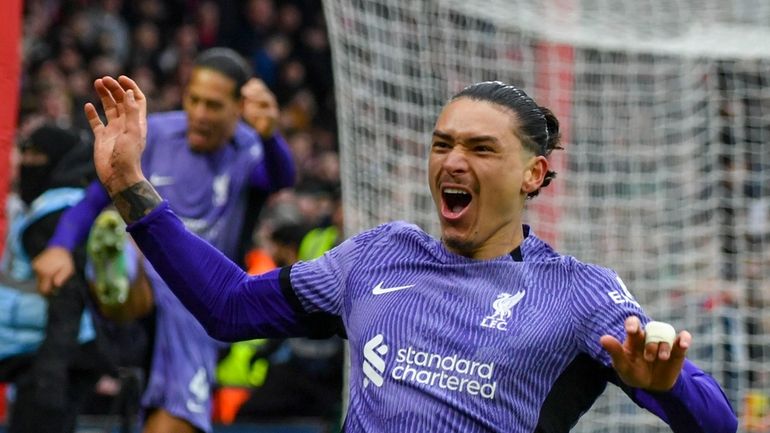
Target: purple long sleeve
{"points": [[75, 223], [277, 169], [696, 404], [230, 304]]}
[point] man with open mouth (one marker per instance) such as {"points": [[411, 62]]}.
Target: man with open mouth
{"points": [[486, 330]]}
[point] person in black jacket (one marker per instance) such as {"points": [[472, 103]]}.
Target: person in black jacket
{"points": [[53, 382]]}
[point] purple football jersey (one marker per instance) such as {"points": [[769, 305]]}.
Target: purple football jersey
{"points": [[439, 342], [431, 330], [205, 190]]}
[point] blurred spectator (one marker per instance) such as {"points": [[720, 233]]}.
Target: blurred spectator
{"points": [[304, 376], [146, 46], [267, 59], [52, 382], [299, 111], [110, 29], [315, 203], [207, 21], [184, 47], [301, 144], [316, 55], [289, 20], [291, 80], [259, 20], [324, 237], [284, 243]]}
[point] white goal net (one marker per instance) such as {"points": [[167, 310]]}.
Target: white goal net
{"points": [[665, 176]]}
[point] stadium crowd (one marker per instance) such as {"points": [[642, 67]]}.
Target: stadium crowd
{"points": [[67, 44]]}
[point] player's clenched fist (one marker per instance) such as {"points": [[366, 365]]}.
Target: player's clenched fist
{"points": [[260, 109]]}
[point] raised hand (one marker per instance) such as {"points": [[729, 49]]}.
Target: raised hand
{"points": [[118, 144], [653, 366], [260, 109]]}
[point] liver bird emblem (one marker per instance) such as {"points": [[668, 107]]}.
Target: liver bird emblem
{"points": [[504, 304]]}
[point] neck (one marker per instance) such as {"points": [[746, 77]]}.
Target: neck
{"points": [[499, 245]]}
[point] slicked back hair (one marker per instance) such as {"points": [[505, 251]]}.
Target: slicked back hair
{"points": [[537, 127]]}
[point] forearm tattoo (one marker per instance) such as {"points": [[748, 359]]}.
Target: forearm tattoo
{"points": [[136, 201]]}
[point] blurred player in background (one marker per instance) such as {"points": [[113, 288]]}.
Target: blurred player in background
{"points": [[204, 159], [488, 329]]}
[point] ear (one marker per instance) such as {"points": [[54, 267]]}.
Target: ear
{"points": [[537, 167]]}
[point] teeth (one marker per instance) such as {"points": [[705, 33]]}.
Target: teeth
{"points": [[454, 191]]}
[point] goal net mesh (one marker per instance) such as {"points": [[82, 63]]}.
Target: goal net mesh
{"points": [[665, 111]]}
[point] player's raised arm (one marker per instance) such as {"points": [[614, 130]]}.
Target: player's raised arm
{"points": [[228, 303]]}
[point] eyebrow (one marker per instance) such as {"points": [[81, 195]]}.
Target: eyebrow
{"points": [[475, 139]]}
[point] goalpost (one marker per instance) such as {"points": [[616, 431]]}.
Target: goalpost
{"points": [[665, 176]]}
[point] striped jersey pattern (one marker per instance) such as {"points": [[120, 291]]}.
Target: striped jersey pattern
{"points": [[441, 342]]}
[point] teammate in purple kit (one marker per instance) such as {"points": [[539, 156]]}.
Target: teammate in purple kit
{"points": [[203, 159], [487, 330]]}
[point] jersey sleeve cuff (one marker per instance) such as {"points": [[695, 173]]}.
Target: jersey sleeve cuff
{"points": [[284, 280], [154, 214]]}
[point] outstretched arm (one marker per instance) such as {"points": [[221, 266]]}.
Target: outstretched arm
{"points": [[696, 403], [230, 304], [659, 378]]}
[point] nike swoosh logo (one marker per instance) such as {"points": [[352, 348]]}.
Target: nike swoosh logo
{"points": [[379, 290]]}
